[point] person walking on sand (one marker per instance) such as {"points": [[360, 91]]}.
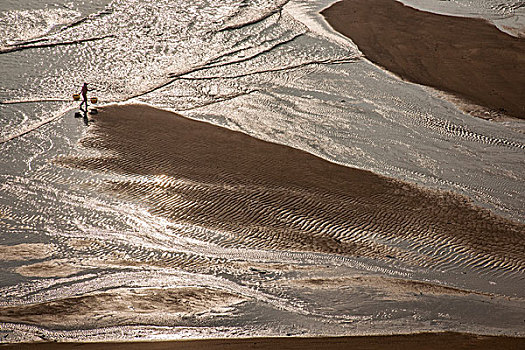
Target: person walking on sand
{"points": [[83, 92]]}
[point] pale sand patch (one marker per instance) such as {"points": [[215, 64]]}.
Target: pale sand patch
{"points": [[394, 287], [81, 243], [51, 268], [26, 251]]}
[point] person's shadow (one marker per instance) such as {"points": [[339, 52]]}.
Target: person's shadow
{"points": [[83, 113], [86, 120]]}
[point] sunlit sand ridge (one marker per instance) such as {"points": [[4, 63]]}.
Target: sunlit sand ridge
{"points": [[266, 196]]}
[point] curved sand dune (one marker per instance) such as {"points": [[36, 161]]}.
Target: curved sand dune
{"points": [[267, 196], [467, 57]]}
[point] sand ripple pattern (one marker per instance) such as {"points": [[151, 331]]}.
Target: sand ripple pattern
{"points": [[266, 196], [450, 128]]}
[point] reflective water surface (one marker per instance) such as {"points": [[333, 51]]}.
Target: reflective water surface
{"points": [[507, 15], [270, 69]]}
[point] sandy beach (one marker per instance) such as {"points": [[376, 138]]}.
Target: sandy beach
{"points": [[427, 341], [467, 57]]}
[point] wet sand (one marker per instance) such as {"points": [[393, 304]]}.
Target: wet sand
{"points": [[261, 195], [467, 57], [427, 341], [121, 307]]}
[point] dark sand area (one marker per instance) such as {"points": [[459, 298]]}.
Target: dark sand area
{"points": [[467, 57], [267, 196], [425, 341]]}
